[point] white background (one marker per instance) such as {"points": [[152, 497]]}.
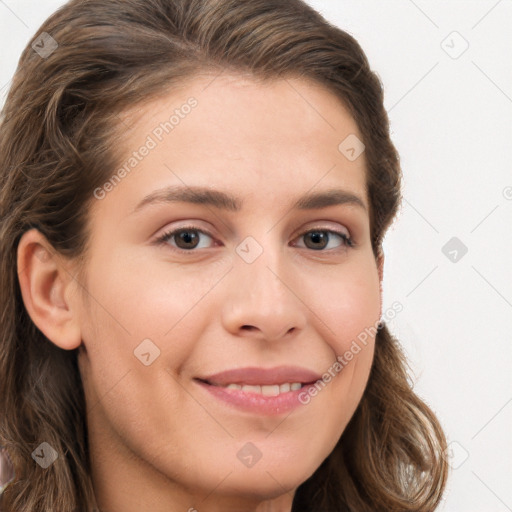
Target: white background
{"points": [[452, 124]]}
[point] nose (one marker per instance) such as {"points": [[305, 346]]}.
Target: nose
{"points": [[263, 298]]}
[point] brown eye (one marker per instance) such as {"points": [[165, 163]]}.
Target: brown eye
{"points": [[185, 239], [319, 239]]}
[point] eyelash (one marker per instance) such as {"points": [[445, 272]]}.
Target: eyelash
{"points": [[348, 242]]}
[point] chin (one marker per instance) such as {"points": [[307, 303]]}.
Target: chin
{"points": [[260, 487], [267, 482]]}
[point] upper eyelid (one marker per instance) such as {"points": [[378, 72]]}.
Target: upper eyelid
{"points": [[205, 231]]}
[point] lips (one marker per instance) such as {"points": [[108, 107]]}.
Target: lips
{"points": [[261, 391], [253, 376]]}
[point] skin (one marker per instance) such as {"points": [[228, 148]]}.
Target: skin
{"points": [[158, 441]]}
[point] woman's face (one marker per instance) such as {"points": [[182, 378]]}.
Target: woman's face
{"points": [[256, 285]]}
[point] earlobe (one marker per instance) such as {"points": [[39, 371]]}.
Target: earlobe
{"points": [[46, 287]]}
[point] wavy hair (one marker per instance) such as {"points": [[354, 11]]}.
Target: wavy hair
{"points": [[57, 133]]}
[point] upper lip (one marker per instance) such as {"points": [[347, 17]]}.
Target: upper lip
{"points": [[262, 376]]}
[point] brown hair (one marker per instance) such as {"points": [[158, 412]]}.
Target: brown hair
{"points": [[57, 127]]}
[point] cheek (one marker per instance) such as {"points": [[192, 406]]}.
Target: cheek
{"points": [[141, 298], [140, 308], [350, 306], [140, 314]]}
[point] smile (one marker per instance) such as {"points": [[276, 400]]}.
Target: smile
{"points": [[262, 391]]}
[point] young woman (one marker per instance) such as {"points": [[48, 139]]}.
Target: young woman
{"points": [[194, 195]]}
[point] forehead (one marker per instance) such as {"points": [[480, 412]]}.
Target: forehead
{"points": [[241, 104], [235, 132]]}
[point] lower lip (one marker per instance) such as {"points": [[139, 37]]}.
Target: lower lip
{"points": [[256, 402]]}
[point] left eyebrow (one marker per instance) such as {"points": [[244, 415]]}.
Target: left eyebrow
{"points": [[225, 201]]}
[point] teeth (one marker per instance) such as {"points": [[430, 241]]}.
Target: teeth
{"points": [[251, 389], [271, 390]]}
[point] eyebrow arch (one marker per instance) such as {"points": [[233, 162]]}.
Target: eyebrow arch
{"points": [[225, 201]]}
